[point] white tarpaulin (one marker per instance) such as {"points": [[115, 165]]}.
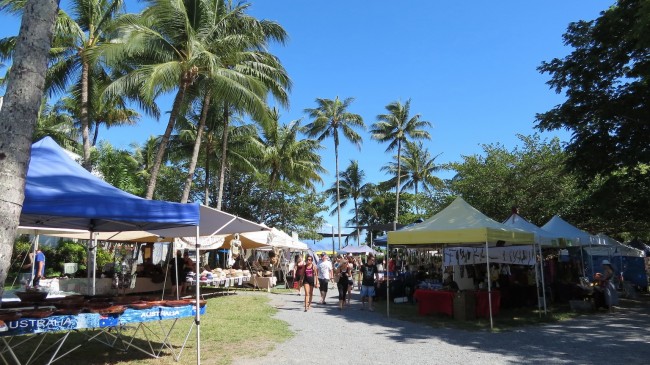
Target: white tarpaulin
{"points": [[468, 255]]}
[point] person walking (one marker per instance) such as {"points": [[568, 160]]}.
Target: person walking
{"points": [[352, 270], [345, 277], [325, 273], [298, 272], [310, 281], [369, 278]]}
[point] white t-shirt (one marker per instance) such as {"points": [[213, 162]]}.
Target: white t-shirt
{"points": [[324, 269]]}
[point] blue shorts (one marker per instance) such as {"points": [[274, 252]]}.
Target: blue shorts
{"points": [[367, 291]]}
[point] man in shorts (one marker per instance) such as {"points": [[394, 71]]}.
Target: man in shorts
{"points": [[324, 276], [369, 278]]}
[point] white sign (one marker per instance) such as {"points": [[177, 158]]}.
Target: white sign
{"points": [[515, 255]]}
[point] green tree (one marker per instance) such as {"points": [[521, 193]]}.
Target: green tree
{"points": [[119, 168], [54, 122], [606, 80], [328, 117], [19, 115], [285, 157], [397, 127], [176, 43], [531, 177]]}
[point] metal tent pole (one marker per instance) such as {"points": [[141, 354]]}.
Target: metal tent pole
{"points": [[487, 261], [198, 296]]}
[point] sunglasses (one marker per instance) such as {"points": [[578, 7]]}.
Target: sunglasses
{"points": [[309, 259]]}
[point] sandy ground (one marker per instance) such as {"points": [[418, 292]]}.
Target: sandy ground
{"points": [[326, 335]]}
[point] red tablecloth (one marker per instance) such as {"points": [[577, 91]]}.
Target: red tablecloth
{"points": [[483, 306], [434, 301]]}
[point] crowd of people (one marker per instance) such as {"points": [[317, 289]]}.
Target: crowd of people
{"points": [[345, 271]]}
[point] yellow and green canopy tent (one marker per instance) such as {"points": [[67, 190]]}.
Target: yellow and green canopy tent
{"points": [[458, 223]]}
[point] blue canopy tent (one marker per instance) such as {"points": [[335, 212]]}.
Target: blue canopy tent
{"points": [[59, 193]]}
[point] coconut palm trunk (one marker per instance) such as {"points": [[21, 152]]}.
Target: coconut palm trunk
{"points": [[25, 84], [162, 147], [338, 185], [208, 154], [224, 153], [399, 175], [197, 147], [85, 119]]}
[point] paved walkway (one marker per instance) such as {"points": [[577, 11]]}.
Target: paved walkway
{"points": [[326, 335]]}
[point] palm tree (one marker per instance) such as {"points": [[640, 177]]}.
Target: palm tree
{"points": [[54, 122], [18, 117], [330, 116], [77, 36], [418, 168], [397, 127], [175, 43], [284, 157], [351, 187]]}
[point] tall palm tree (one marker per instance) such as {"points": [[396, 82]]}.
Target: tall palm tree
{"points": [[285, 157], [173, 43], [18, 117], [328, 117], [396, 127], [352, 187], [418, 168], [77, 35]]}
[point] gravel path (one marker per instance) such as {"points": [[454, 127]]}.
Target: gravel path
{"points": [[353, 336]]}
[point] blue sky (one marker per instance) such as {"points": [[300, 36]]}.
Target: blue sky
{"points": [[469, 68]]}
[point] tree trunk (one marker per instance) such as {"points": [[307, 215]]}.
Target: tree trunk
{"points": [[95, 135], [85, 120], [338, 193], [265, 202], [224, 150], [356, 221], [399, 173], [18, 116], [208, 153], [197, 147], [155, 170]]}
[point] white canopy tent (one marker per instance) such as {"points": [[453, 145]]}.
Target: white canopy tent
{"points": [[573, 235], [542, 236]]}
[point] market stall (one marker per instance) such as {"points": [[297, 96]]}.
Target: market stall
{"points": [[463, 225], [61, 194]]}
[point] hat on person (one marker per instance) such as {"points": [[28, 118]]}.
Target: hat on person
{"points": [[606, 262]]}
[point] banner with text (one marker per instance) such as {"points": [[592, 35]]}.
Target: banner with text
{"points": [[515, 255]]}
